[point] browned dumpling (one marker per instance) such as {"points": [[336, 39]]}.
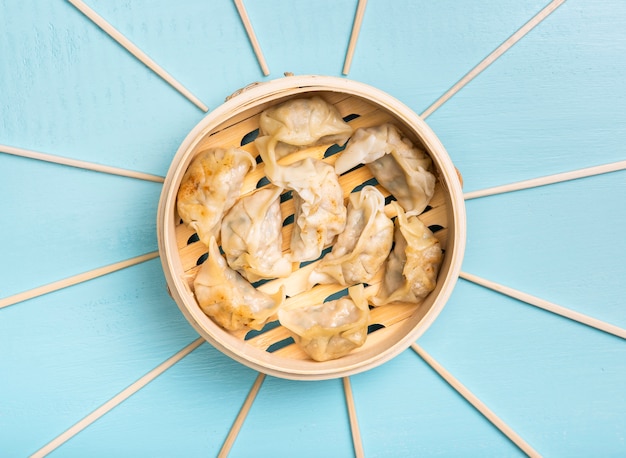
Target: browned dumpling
{"points": [[329, 330], [412, 267], [228, 298], [210, 186]]}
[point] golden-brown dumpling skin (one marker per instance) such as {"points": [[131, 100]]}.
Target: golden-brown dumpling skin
{"points": [[210, 186], [329, 330], [361, 249], [412, 267], [228, 298]]}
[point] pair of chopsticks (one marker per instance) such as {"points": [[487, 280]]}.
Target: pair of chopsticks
{"points": [[152, 65]]}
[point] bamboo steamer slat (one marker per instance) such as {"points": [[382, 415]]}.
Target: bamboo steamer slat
{"points": [[395, 327]]}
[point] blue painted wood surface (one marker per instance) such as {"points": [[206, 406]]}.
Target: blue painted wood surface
{"points": [[555, 102]]}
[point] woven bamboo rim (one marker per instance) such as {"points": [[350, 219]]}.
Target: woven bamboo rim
{"points": [[397, 326]]}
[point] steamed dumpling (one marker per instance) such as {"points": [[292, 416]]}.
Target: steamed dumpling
{"points": [[412, 267], [304, 122], [228, 299], [366, 145], [399, 166], [210, 187], [320, 213], [362, 248], [252, 236], [329, 330]]}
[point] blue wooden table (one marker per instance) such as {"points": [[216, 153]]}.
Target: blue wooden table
{"points": [[102, 363]]}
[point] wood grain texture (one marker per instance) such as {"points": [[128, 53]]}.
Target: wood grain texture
{"points": [[476, 403], [241, 417], [116, 400], [135, 51], [552, 103], [182, 260], [109, 219], [79, 164], [245, 19], [80, 278], [549, 306], [493, 56]]}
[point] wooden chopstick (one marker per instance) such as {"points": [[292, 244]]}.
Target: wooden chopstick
{"points": [[77, 163], [495, 54], [75, 280], [241, 417], [354, 424], [135, 51], [548, 306], [476, 402], [243, 14], [116, 400], [548, 179], [356, 28]]}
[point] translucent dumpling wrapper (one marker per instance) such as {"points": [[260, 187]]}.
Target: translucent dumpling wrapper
{"points": [[399, 166], [320, 213], [210, 187], [361, 249], [329, 330], [303, 122], [412, 267], [228, 298], [252, 236], [366, 145]]}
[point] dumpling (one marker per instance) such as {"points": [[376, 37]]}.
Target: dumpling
{"points": [[252, 236], [228, 299], [329, 330], [412, 267], [361, 249], [210, 186], [320, 213], [304, 122], [366, 145], [399, 166]]}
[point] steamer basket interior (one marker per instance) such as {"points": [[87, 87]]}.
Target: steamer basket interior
{"points": [[392, 327]]}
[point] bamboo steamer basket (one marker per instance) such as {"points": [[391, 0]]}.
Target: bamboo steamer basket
{"points": [[393, 328]]}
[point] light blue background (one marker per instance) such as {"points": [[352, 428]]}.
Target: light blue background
{"points": [[555, 102]]}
